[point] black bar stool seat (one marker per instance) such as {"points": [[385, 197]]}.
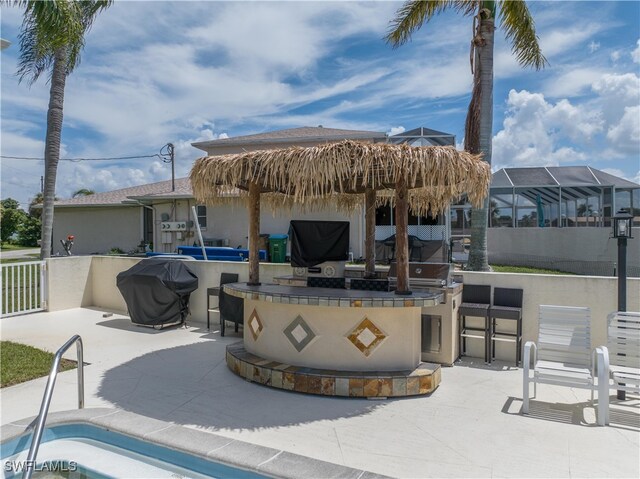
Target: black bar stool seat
{"points": [[474, 309], [506, 312], [507, 305], [476, 302]]}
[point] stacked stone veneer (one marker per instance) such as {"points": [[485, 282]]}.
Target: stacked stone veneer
{"points": [[422, 380]]}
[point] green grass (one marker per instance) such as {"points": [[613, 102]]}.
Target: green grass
{"points": [[14, 247], [20, 363], [526, 269], [29, 257]]}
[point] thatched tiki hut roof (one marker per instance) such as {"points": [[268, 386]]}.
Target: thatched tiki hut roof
{"points": [[425, 178]]}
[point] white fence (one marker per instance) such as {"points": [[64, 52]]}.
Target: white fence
{"points": [[23, 287]]}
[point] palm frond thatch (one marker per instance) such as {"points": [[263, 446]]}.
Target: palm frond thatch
{"points": [[335, 171]]}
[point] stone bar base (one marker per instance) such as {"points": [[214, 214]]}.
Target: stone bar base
{"points": [[362, 384]]}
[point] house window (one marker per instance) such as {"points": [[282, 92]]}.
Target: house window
{"points": [[201, 210]]}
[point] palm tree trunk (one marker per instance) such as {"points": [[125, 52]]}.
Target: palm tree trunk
{"points": [[402, 240], [254, 234], [52, 147], [484, 81]]}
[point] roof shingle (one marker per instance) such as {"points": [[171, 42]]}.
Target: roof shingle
{"points": [[117, 197], [304, 133]]}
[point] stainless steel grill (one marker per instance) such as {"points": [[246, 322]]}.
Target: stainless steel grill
{"points": [[424, 275]]}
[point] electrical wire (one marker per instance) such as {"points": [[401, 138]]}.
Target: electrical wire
{"points": [[157, 155]]}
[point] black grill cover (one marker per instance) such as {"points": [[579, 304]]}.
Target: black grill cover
{"points": [[157, 291], [314, 242]]}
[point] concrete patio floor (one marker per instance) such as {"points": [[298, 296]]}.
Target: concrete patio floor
{"points": [[469, 427]]}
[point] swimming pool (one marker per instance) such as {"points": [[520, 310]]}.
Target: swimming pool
{"points": [[104, 443], [96, 453]]}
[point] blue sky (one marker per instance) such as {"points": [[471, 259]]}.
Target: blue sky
{"points": [[159, 72]]}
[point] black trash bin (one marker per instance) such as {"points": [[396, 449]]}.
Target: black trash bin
{"points": [[157, 291]]}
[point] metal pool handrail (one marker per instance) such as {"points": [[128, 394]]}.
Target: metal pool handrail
{"points": [[46, 401]]}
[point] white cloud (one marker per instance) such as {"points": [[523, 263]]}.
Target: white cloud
{"points": [[615, 55], [533, 129], [396, 130], [619, 100], [626, 133], [635, 54], [594, 46], [537, 131], [564, 38], [572, 80], [614, 171]]}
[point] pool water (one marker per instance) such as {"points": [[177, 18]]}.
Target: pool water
{"points": [[102, 454]]}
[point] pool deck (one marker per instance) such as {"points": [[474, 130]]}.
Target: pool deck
{"points": [[469, 427]]}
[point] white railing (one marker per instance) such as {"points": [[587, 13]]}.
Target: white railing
{"points": [[423, 232], [23, 287]]}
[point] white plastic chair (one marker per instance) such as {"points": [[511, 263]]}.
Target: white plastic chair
{"points": [[623, 344], [563, 356]]}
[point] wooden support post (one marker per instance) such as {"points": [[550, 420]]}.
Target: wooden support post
{"points": [[254, 234], [370, 233], [402, 239]]}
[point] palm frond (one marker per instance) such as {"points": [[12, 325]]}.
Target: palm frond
{"points": [[36, 51], [520, 31], [89, 9], [411, 16], [52, 25]]}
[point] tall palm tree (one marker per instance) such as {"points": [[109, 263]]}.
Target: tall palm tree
{"points": [[519, 28], [51, 39]]}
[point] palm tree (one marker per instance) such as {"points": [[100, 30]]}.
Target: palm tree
{"points": [[51, 39], [520, 32], [82, 192]]}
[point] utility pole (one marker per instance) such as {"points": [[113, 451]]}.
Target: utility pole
{"points": [[169, 157], [173, 165]]}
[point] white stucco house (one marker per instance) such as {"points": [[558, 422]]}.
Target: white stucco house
{"points": [[130, 217]]}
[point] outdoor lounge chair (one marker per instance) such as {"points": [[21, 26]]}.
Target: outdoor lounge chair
{"points": [[623, 347], [563, 356]]}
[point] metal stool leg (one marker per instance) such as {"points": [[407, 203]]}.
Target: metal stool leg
{"points": [[487, 339]]}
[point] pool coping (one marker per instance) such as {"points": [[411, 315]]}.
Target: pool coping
{"points": [[207, 445]]}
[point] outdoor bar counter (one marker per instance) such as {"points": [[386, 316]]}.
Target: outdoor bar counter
{"points": [[329, 341]]}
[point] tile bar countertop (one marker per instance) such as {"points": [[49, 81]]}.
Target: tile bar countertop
{"points": [[349, 298]]}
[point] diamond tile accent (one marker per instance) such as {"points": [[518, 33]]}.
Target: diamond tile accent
{"points": [[366, 336], [299, 333], [255, 325]]}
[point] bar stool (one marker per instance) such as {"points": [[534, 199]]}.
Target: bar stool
{"points": [[507, 304], [476, 301], [231, 308]]}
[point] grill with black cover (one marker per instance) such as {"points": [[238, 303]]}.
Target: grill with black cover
{"points": [[157, 291]]}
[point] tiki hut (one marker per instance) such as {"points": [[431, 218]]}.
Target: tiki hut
{"points": [[421, 179]]}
